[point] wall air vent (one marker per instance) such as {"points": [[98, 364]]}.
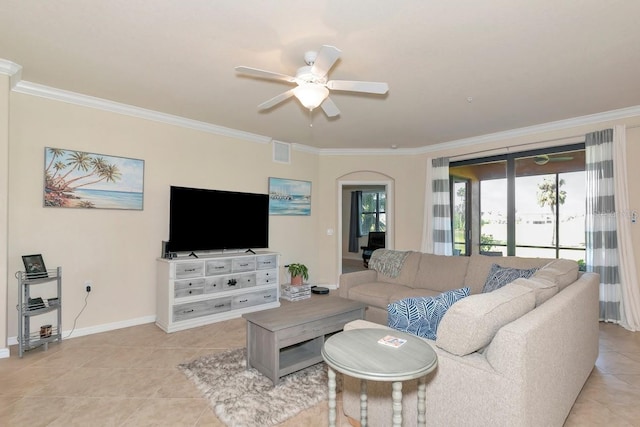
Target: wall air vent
{"points": [[281, 152]]}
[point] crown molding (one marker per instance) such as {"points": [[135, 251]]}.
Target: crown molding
{"points": [[11, 69], [590, 119], [43, 91]]}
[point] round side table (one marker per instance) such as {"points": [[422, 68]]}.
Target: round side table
{"points": [[358, 354]]}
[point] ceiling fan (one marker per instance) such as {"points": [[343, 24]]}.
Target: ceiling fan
{"points": [[543, 159], [313, 86]]}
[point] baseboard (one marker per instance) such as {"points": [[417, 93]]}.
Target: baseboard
{"points": [[4, 353], [96, 329]]}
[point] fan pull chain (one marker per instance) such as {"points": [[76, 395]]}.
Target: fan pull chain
{"points": [[310, 119]]}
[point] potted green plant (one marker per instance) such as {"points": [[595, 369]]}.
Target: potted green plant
{"points": [[299, 273]]}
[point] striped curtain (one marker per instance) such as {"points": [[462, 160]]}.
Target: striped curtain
{"points": [[442, 233], [601, 234]]}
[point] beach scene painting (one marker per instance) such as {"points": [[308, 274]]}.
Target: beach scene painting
{"points": [[77, 179], [289, 197]]}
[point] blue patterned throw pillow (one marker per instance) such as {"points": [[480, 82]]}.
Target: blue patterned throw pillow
{"points": [[500, 276], [421, 315]]}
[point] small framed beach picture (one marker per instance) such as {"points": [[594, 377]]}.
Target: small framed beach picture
{"points": [[34, 266], [77, 179], [289, 197]]}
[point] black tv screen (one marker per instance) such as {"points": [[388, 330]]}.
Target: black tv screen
{"points": [[202, 219]]}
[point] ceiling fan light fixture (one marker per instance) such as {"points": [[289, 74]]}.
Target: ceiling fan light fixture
{"points": [[311, 95]]}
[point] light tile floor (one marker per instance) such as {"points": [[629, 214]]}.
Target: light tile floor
{"points": [[128, 377]]}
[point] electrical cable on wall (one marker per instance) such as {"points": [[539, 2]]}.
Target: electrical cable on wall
{"points": [[76, 319]]}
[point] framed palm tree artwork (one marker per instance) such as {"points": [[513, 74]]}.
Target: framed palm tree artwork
{"points": [[77, 179]]}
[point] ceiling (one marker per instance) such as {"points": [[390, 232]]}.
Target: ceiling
{"points": [[456, 69]]}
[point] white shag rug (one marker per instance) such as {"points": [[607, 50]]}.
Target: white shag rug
{"points": [[241, 397]]}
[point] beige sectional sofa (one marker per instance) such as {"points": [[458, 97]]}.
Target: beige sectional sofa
{"points": [[516, 356]]}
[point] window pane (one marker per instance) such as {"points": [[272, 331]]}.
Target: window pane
{"points": [[382, 225], [535, 211], [368, 202], [373, 216], [535, 252], [572, 211], [368, 223], [493, 214], [459, 217], [383, 202]]}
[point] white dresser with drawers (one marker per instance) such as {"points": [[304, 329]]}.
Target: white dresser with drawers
{"points": [[198, 291]]}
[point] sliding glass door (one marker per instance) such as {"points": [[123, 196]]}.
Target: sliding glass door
{"points": [[528, 204]]}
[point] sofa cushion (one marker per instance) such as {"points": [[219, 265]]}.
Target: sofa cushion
{"points": [[500, 276], [479, 266], [562, 272], [421, 316], [472, 322], [440, 273], [376, 294], [543, 289], [407, 274]]}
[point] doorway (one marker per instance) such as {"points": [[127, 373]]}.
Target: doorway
{"points": [[352, 261]]}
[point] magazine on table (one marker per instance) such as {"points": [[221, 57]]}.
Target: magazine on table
{"points": [[392, 341]]}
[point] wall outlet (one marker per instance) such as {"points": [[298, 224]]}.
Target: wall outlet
{"points": [[88, 284]]}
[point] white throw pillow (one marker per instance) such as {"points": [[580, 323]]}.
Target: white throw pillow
{"points": [[471, 323]]}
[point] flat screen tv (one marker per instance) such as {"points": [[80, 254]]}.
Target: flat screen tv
{"points": [[202, 219]]}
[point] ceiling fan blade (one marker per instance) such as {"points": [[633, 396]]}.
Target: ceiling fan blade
{"points": [[255, 72], [330, 108], [327, 56], [276, 100], [543, 159], [356, 86]]}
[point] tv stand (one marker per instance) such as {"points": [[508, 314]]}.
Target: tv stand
{"points": [[214, 287]]}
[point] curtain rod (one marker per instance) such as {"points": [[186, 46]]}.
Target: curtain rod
{"points": [[508, 148]]}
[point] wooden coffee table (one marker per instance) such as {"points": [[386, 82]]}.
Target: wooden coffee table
{"points": [[289, 338]]}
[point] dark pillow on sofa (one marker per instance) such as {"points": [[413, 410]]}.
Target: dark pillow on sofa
{"points": [[421, 315], [500, 276]]}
